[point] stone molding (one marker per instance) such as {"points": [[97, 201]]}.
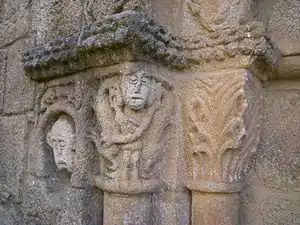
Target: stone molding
{"points": [[115, 39], [131, 36]]}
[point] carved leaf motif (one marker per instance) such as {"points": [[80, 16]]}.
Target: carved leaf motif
{"points": [[252, 115], [214, 111]]}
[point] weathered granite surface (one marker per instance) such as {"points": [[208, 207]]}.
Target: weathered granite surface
{"points": [[273, 184], [149, 112]]}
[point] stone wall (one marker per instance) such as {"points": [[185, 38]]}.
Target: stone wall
{"points": [[210, 137]]}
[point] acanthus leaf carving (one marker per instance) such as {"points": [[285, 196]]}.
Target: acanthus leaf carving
{"points": [[221, 132]]}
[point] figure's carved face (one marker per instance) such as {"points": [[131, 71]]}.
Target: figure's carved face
{"points": [[61, 139], [136, 89]]}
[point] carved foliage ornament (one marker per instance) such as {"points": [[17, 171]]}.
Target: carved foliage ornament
{"points": [[221, 132]]}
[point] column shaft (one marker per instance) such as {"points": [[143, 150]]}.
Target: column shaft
{"points": [[127, 209], [215, 208]]}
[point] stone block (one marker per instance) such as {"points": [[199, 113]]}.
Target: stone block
{"points": [[48, 202], [12, 153], [19, 90], [272, 195], [53, 18], [2, 77], [282, 19], [14, 20]]}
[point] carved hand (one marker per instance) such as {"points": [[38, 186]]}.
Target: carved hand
{"points": [[107, 141]]}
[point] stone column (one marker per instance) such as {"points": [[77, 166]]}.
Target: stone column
{"points": [[127, 209], [221, 114], [214, 206], [126, 203]]}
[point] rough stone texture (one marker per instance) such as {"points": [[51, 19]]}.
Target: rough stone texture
{"points": [[171, 207], [223, 208], [122, 37], [272, 195], [13, 152], [3, 61], [129, 36], [277, 15], [14, 20], [281, 18], [19, 90], [54, 18], [138, 209], [73, 57], [166, 12], [13, 134]]}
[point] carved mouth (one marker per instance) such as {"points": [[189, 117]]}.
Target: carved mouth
{"points": [[136, 98], [61, 163]]}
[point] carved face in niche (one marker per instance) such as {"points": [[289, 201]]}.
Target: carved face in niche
{"points": [[136, 89], [61, 140]]}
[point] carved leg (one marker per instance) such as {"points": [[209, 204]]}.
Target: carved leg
{"points": [[123, 169], [145, 169], [133, 161]]}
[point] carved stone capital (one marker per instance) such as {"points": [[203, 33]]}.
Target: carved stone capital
{"points": [[221, 114], [221, 117], [132, 111]]}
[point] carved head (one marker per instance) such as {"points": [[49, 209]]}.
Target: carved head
{"points": [[136, 89], [61, 139]]}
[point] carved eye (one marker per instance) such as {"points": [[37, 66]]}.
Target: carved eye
{"points": [[145, 81], [62, 144], [133, 79]]}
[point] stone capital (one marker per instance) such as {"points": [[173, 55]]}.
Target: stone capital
{"points": [[221, 114]]}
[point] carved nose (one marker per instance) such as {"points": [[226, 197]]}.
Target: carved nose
{"points": [[59, 150], [137, 88]]}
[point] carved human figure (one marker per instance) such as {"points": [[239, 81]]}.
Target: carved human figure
{"points": [[133, 118], [61, 139]]}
